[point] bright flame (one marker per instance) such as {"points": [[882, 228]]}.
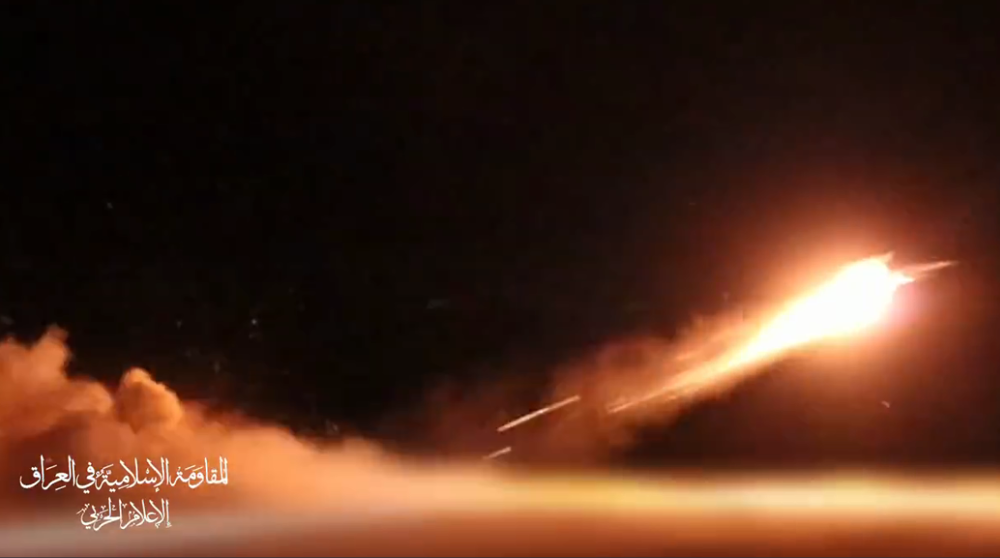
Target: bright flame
{"points": [[853, 300], [856, 298]]}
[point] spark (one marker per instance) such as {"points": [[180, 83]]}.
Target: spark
{"points": [[535, 414], [498, 453]]}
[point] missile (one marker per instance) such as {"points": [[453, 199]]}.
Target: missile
{"points": [[918, 271], [922, 270]]}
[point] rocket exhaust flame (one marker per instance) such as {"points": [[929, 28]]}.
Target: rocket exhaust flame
{"points": [[855, 299]]}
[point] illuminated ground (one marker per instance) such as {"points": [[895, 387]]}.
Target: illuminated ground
{"points": [[819, 516]]}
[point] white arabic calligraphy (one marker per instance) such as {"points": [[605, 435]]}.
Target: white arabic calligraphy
{"points": [[153, 476], [126, 514]]}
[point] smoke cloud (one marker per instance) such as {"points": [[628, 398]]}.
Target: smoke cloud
{"points": [[585, 431], [45, 412], [290, 496]]}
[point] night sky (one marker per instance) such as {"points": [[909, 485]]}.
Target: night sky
{"points": [[320, 212]]}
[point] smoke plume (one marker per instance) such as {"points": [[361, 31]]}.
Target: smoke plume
{"points": [[45, 412]]}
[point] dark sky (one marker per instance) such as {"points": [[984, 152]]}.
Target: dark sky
{"points": [[321, 210]]}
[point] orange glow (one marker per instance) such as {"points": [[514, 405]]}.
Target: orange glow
{"points": [[853, 300]]}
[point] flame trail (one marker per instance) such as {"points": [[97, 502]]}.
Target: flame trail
{"points": [[543, 411], [854, 299], [498, 453]]}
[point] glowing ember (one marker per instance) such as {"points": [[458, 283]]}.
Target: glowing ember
{"points": [[539, 412]]}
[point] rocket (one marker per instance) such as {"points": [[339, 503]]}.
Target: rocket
{"points": [[922, 270], [917, 271]]}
